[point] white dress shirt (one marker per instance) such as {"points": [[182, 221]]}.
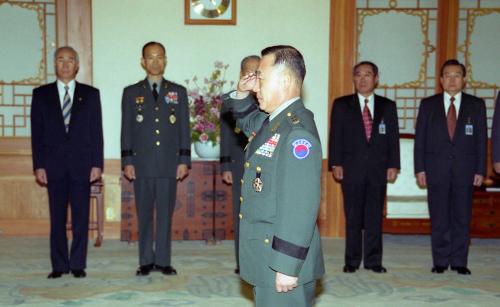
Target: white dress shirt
{"points": [[371, 103], [62, 91], [458, 100]]}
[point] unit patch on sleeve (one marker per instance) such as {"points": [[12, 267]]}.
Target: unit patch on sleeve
{"points": [[267, 149], [301, 148]]}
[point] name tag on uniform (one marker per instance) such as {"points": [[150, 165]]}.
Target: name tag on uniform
{"points": [[469, 129], [381, 128]]}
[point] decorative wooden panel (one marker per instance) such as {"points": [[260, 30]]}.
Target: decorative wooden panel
{"points": [[400, 37], [196, 216]]}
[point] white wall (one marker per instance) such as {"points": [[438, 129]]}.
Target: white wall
{"points": [[121, 27]]}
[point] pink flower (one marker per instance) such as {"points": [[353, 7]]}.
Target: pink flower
{"points": [[203, 137]]}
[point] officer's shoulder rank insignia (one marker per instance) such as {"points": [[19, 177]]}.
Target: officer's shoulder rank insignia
{"points": [[267, 149], [171, 97], [301, 148]]}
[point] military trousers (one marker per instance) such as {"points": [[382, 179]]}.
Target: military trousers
{"points": [[301, 296], [155, 194]]}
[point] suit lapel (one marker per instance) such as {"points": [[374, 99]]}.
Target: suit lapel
{"points": [[463, 117], [76, 105], [377, 116], [356, 109], [163, 91], [440, 114]]}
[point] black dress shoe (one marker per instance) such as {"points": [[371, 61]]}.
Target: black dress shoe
{"points": [[461, 270], [79, 273], [144, 270], [377, 269], [349, 269], [166, 270], [55, 274], [438, 269], [237, 270]]}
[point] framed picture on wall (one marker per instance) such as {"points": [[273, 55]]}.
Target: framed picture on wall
{"points": [[210, 12]]}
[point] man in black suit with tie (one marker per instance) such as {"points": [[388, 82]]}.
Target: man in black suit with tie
{"points": [[450, 159], [364, 155], [67, 145]]}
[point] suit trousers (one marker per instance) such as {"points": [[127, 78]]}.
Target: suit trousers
{"points": [[450, 209], [151, 194], [363, 207], [77, 194], [301, 296]]}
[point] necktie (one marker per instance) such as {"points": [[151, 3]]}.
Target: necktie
{"points": [[155, 91], [367, 121], [66, 109], [451, 118]]}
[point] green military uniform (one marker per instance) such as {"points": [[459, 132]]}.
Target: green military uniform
{"points": [[232, 157], [280, 201], [155, 139]]}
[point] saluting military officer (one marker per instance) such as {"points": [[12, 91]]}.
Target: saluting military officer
{"points": [[155, 144], [280, 245], [232, 154]]}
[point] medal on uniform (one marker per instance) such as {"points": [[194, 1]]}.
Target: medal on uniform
{"points": [[469, 129], [139, 118], [172, 118], [257, 183], [381, 128]]}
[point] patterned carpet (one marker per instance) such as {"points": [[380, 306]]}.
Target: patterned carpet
{"points": [[206, 277]]}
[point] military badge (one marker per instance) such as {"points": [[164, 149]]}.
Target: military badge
{"points": [[301, 148], [171, 97], [257, 183], [172, 119], [139, 101], [139, 118], [267, 149]]}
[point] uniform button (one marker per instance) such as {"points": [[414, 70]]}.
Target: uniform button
{"points": [[258, 169], [157, 143], [247, 164], [289, 114], [242, 181], [266, 241], [157, 131], [241, 199], [241, 216], [156, 108], [157, 120]]}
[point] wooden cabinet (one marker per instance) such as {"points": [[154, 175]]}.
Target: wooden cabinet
{"points": [[203, 207]]}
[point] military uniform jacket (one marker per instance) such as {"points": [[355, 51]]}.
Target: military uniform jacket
{"points": [[280, 195], [155, 135], [458, 159]]}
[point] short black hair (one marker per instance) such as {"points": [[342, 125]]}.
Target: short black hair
{"points": [[288, 56], [151, 44], [248, 58], [371, 64], [453, 62]]}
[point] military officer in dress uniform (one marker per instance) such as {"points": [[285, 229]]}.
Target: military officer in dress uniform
{"points": [[232, 154], [280, 245], [155, 144]]}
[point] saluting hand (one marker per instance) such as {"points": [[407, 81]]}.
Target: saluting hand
{"points": [[285, 283], [246, 84]]}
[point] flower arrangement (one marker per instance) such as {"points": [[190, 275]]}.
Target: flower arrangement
{"points": [[205, 103]]}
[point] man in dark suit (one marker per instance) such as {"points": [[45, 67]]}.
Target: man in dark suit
{"points": [[364, 155], [155, 144], [67, 145], [450, 158], [232, 152], [495, 136]]}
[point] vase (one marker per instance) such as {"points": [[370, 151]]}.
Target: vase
{"points": [[207, 150]]}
